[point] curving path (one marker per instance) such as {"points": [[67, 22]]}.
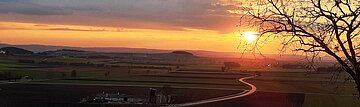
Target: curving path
{"points": [[228, 97]]}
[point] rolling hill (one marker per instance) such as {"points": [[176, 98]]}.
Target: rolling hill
{"points": [[15, 50], [201, 53]]}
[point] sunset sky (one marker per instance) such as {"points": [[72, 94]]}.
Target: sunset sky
{"points": [[157, 24]]}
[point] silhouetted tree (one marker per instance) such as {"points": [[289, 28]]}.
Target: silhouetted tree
{"points": [[223, 69], [107, 73], [63, 74], [129, 69], [313, 27], [169, 69], [9, 76], [73, 73], [229, 65], [26, 61]]}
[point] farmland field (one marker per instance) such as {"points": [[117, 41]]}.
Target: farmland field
{"points": [[296, 88]]}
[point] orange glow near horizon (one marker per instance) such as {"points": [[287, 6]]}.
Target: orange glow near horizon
{"points": [[89, 36]]}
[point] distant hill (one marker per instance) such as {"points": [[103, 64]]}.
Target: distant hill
{"points": [[68, 52], [201, 53], [43, 48], [64, 51], [15, 50], [182, 53]]}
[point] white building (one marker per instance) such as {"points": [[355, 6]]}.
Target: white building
{"points": [[117, 98], [2, 52]]}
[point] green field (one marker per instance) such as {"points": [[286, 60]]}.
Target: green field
{"points": [[318, 90], [313, 100]]}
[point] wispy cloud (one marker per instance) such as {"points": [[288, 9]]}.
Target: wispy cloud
{"points": [[29, 8], [88, 30], [143, 14], [30, 26]]}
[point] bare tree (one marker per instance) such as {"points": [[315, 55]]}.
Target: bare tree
{"points": [[312, 26]]}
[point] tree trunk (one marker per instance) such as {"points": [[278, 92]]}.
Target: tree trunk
{"points": [[357, 82]]}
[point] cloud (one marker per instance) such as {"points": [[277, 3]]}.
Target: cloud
{"points": [[143, 14], [41, 25], [28, 8], [33, 7], [30, 26], [8, 28], [88, 30]]}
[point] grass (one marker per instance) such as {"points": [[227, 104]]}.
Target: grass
{"points": [[5, 66], [67, 59], [36, 74], [140, 80], [312, 100], [302, 82], [317, 93], [21, 69], [239, 87], [213, 68]]}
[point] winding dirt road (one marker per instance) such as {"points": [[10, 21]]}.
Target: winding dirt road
{"points": [[223, 98]]}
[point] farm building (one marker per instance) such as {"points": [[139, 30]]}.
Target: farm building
{"points": [[116, 98]]}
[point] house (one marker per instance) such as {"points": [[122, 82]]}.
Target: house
{"points": [[26, 79], [116, 98], [163, 99], [2, 52]]}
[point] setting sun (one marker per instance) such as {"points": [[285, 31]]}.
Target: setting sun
{"points": [[250, 36]]}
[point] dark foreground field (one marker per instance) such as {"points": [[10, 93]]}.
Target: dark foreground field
{"points": [[262, 99], [26, 95], [30, 95]]}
